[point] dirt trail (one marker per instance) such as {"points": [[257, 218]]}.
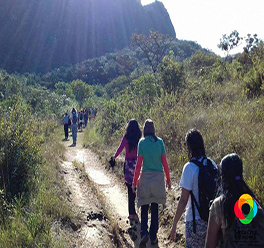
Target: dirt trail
{"points": [[94, 230], [114, 196]]}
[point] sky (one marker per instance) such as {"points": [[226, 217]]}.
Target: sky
{"points": [[205, 21]]}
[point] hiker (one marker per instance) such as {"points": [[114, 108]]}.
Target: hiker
{"points": [[81, 120], [151, 185], [66, 121], [69, 124], [130, 142], [222, 212], [89, 115], [92, 114], [195, 226], [74, 125], [85, 116]]}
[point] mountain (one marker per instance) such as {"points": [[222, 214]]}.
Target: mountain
{"points": [[39, 35]]}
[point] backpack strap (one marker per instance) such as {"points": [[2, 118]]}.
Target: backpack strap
{"points": [[193, 212], [193, 200]]}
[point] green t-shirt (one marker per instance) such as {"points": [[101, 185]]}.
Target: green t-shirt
{"points": [[151, 152]]}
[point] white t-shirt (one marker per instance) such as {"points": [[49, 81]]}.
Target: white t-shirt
{"points": [[189, 181]]}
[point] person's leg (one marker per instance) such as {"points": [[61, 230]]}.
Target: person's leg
{"points": [[131, 200], [144, 220], [154, 226], [74, 133], [66, 131]]}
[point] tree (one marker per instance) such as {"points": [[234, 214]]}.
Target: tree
{"points": [[81, 91], [251, 42], [153, 46], [172, 74], [227, 43]]}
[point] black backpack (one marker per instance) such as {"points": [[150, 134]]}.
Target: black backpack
{"points": [[207, 186], [74, 118]]}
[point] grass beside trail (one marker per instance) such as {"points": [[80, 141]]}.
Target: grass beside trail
{"points": [[30, 220]]}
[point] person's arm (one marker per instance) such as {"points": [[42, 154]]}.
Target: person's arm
{"points": [[166, 169], [120, 148], [212, 233], [137, 171], [180, 209]]}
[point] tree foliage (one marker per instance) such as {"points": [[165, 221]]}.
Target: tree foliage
{"points": [[172, 74], [228, 42], [154, 46]]}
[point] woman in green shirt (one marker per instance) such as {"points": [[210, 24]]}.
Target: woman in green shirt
{"points": [[151, 185]]}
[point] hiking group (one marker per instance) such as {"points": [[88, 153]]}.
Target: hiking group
{"points": [[208, 192], [77, 121]]}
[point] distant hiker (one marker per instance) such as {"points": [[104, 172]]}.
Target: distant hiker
{"points": [[89, 114], [69, 124], [130, 142], [81, 120], [197, 210], [151, 185], [85, 116], [92, 114], [235, 196], [66, 123], [74, 125]]}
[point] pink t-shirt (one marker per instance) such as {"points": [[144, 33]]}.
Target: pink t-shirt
{"points": [[129, 154]]}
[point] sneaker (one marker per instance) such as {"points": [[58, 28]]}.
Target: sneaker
{"points": [[143, 242], [154, 242]]}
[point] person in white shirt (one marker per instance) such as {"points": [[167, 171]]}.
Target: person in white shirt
{"points": [[189, 183]]}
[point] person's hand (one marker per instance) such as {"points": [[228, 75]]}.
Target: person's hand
{"points": [[168, 185], [134, 188], [173, 233]]}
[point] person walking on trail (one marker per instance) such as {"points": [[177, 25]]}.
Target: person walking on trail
{"points": [[85, 116], [130, 142], [69, 124], [150, 187], [74, 125], [223, 220], [81, 120], [66, 124], [195, 226]]}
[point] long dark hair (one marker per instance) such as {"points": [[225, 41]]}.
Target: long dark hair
{"points": [[233, 184], [195, 144], [149, 129], [133, 134]]}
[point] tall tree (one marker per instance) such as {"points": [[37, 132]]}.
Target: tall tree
{"points": [[153, 46], [227, 43]]}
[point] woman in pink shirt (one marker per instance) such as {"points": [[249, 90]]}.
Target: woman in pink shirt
{"points": [[130, 143]]}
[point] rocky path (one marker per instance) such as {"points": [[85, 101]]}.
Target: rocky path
{"points": [[104, 193]]}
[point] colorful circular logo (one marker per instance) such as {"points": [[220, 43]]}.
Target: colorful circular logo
{"points": [[245, 218]]}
